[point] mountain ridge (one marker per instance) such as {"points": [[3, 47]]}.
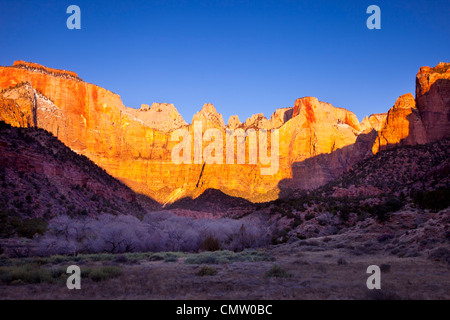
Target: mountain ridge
{"points": [[94, 122]]}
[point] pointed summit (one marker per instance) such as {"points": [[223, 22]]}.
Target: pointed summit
{"points": [[281, 116], [208, 108], [258, 121], [209, 117], [233, 122]]}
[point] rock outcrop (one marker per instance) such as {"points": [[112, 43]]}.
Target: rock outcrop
{"points": [[402, 126], [423, 119], [257, 121], [24, 96], [309, 104], [433, 100], [209, 117], [373, 122], [160, 116], [233, 122], [281, 116]]}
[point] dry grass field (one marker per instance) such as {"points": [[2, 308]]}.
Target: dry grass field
{"points": [[305, 270]]}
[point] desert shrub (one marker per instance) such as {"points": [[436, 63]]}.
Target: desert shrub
{"points": [[277, 272], [31, 226], [280, 236], [434, 200], [97, 257], [440, 254], [203, 258], [207, 271], [297, 221], [25, 274], [385, 236], [7, 230], [136, 256], [58, 259], [342, 262], [170, 258], [309, 216], [344, 212], [219, 257], [156, 257], [121, 258], [98, 274], [382, 211], [211, 244]]}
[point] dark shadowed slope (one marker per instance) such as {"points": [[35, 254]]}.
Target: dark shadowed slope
{"points": [[40, 178]]}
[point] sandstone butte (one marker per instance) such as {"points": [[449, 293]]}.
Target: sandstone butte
{"points": [[317, 141]]}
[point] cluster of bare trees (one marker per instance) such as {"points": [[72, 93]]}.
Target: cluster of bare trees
{"points": [[157, 231]]}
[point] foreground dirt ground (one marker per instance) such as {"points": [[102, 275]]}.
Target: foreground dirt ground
{"points": [[320, 269]]}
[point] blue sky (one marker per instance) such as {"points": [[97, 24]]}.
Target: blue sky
{"points": [[245, 57]]}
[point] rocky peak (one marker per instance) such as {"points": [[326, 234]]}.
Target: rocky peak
{"points": [[233, 122], [258, 121], [209, 117], [160, 116], [402, 126], [23, 95], [281, 116], [144, 107], [405, 101], [373, 122]]}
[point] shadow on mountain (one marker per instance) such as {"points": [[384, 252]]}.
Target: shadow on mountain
{"points": [[318, 170], [211, 200], [41, 178]]}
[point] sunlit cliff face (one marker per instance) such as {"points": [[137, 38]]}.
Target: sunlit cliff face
{"points": [[136, 147]]}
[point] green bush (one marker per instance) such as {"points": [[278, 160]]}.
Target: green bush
{"points": [[26, 274], [156, 257], [98, 274], [277, 272], [219, 257], [121, 258], [171, 258], [207, 271]]}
